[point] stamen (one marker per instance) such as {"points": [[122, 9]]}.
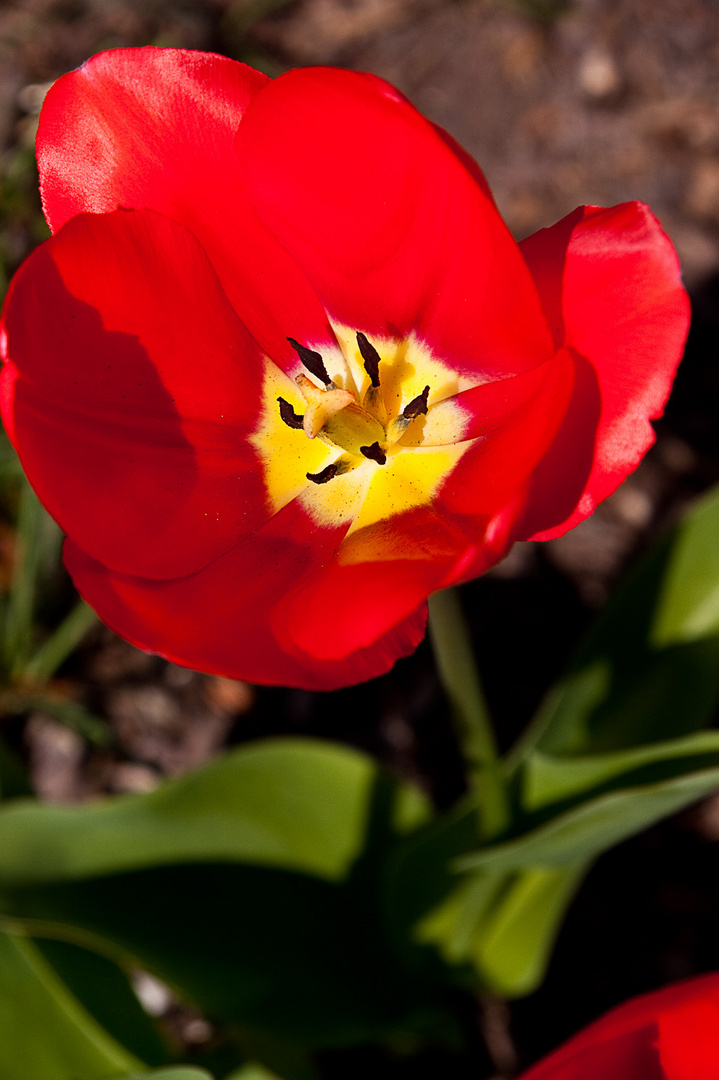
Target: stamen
{"points": [[374, 453], [288, 414], [370, 356], [417, 407], [312, 361], [324, 476]]}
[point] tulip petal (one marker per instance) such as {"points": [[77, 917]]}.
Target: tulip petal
{"points": [[629, 1042], [380, 576], [392, 229], [229, 618], [631, 1056], [154, 128], [610, 283], [495, 471], [689, 1040], [130, 390]]}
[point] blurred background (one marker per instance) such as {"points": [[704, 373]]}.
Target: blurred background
{"points": [[562, 102]]}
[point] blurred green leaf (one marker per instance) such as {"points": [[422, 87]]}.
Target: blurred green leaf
{"points": [[14, 782], [287, 955], [600, 821], [38, 545], [503, 916], [174, 1072], [503, 924], [291, 803], [19, 702], [45, 1032], [546, 780], [10, 467], [617, 745], [688, 603], [252, 1071], [649, 669], [268, 918], [58, 646], [104, 990]]}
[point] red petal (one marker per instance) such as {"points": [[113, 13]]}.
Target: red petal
{"points": [[494, 471], [154, 128], [130, 389], [629, 1036], [381, 575], [467, 160], [610, 284], [632, 1056], [388, 223], [689, 1040], [226, 618]]}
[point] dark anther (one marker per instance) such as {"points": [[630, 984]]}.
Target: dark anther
{"points": [[370, 356], [324, 476], [417, 406], [289, 415], [312, 361], [374, 453]]}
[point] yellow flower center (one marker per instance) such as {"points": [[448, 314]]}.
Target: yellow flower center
{"points": [[372, 431]]}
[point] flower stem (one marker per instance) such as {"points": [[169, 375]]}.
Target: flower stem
{"points": [[458, 674]]}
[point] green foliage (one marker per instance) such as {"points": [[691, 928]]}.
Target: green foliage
{"points": [[617, 746], [105, 992], [45, 1030], [180, 1072], [253, 864], [290, 804]]}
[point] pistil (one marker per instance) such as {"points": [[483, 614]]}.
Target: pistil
{"points": [[322, 405]]}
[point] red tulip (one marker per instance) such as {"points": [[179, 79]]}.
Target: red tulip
{"points": [[281, 371], [672, 1034]]}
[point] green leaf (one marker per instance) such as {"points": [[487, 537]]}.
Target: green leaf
{"points": [[104, 990], [45, 1031], [19, 702], [502, 918], [58, 646], [617, 745], [503, 924], [287, 955], [596, 824], [252, 1071], [688, 603], [10, 467], [241, 886], [38, 545], [546, 780], [649, 669], [291, 803], [175, 1072], [14, 782]]}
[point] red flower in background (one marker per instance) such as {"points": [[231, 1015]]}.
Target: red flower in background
{"points": [[281, 371], [672, 1034]]}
